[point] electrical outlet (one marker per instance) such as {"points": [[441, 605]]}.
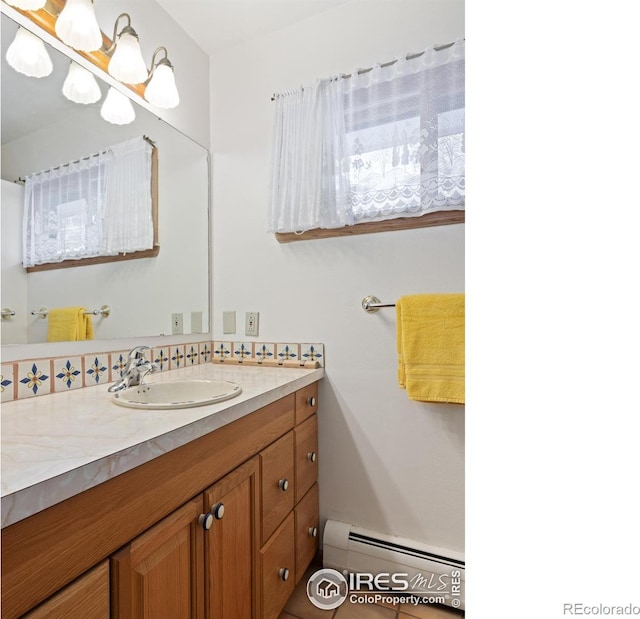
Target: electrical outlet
{"points": [[177, 327], [229, 322], [251, 323]]}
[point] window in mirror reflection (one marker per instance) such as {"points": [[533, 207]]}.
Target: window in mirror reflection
{"points": [[97, 209]]}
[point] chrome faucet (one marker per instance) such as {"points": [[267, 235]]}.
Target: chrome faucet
{"points": [[136, 369]]}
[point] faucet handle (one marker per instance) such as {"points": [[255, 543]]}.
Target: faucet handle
{"points": [[138, 352]]}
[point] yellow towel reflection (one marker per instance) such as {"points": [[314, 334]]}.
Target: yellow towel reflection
{"points": [[69, 324]]}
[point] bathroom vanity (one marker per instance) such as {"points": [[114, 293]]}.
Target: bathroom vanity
{"points": [[202, 512]]}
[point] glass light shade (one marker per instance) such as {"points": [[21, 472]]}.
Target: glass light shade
{"points": [[117, 108], [27, 5], [81, 85], [77, 26], [161, 89], [28, 55], [126, 64]]}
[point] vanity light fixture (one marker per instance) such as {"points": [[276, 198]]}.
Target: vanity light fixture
{"points": [[27, 5], [117, 108], [81, 86], [161, 88], [78, 27], [28, 55], [126, 64]]}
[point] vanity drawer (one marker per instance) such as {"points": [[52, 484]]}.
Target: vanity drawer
{"points": [[306, 402], [277, 563], [307, 521], [277, 483], [306, 439]]}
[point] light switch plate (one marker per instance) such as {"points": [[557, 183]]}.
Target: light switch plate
{"points": [[228, 322], [196, 322]]}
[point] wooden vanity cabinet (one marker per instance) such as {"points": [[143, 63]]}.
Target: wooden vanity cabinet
{"points": [[290, 515], [177, 544], [85, 598]]}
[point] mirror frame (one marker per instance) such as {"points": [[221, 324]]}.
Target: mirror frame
{"points": [[42, 24]]}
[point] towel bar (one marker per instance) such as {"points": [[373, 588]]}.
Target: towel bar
{"points": [[372, 304], [105, 310]]}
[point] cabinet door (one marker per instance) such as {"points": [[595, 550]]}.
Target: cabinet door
{"points": [[85, 598], [306, 450], [159, 574], [277, 565], [277, 482], [231, 544]]}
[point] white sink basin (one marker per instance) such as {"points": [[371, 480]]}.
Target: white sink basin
{"points": [[177, 394]]}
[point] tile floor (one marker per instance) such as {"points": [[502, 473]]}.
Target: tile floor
{"points": [[299, 607]]}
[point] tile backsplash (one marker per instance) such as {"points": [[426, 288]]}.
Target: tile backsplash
{"points": [[33, 377]]}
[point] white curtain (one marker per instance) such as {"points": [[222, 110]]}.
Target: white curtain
{"points": [[380, 144], [98, 206], [128, 218]]}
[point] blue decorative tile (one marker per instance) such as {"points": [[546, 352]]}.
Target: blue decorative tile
{"points": [[67, 373], [191, 354], [34, 378], [221, 351], [204, 349], [8, 382], [241, 351], [176, 358], [118, 363], [96, 369], [287, 352], [160, 356], [312, 352], [264, 352]]}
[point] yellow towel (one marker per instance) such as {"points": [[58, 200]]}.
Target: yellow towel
{"points": [[69, 324], [431, 347]]}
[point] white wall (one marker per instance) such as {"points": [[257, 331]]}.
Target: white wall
{"points": [[387, 463], [13, 278]]}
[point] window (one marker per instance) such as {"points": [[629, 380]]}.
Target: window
{"points": [[382, 145], [98, 209]]}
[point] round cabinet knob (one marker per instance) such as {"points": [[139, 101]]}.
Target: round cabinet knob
{"points": [[284, 573], [311, 401], [218, 511], [313, 531], [205, 521], [312, 456], [283, 484]]}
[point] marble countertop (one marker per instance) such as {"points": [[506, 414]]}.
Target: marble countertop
{"points": [[56, 446]]}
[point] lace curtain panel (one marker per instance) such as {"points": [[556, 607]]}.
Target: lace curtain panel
{"points": [[98, 206], [377, 145]]}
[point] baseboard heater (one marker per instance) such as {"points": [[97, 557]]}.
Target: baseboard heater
{"points": [[434, 574]]}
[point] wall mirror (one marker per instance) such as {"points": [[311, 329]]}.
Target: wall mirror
{"points": [[41, 129]]}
